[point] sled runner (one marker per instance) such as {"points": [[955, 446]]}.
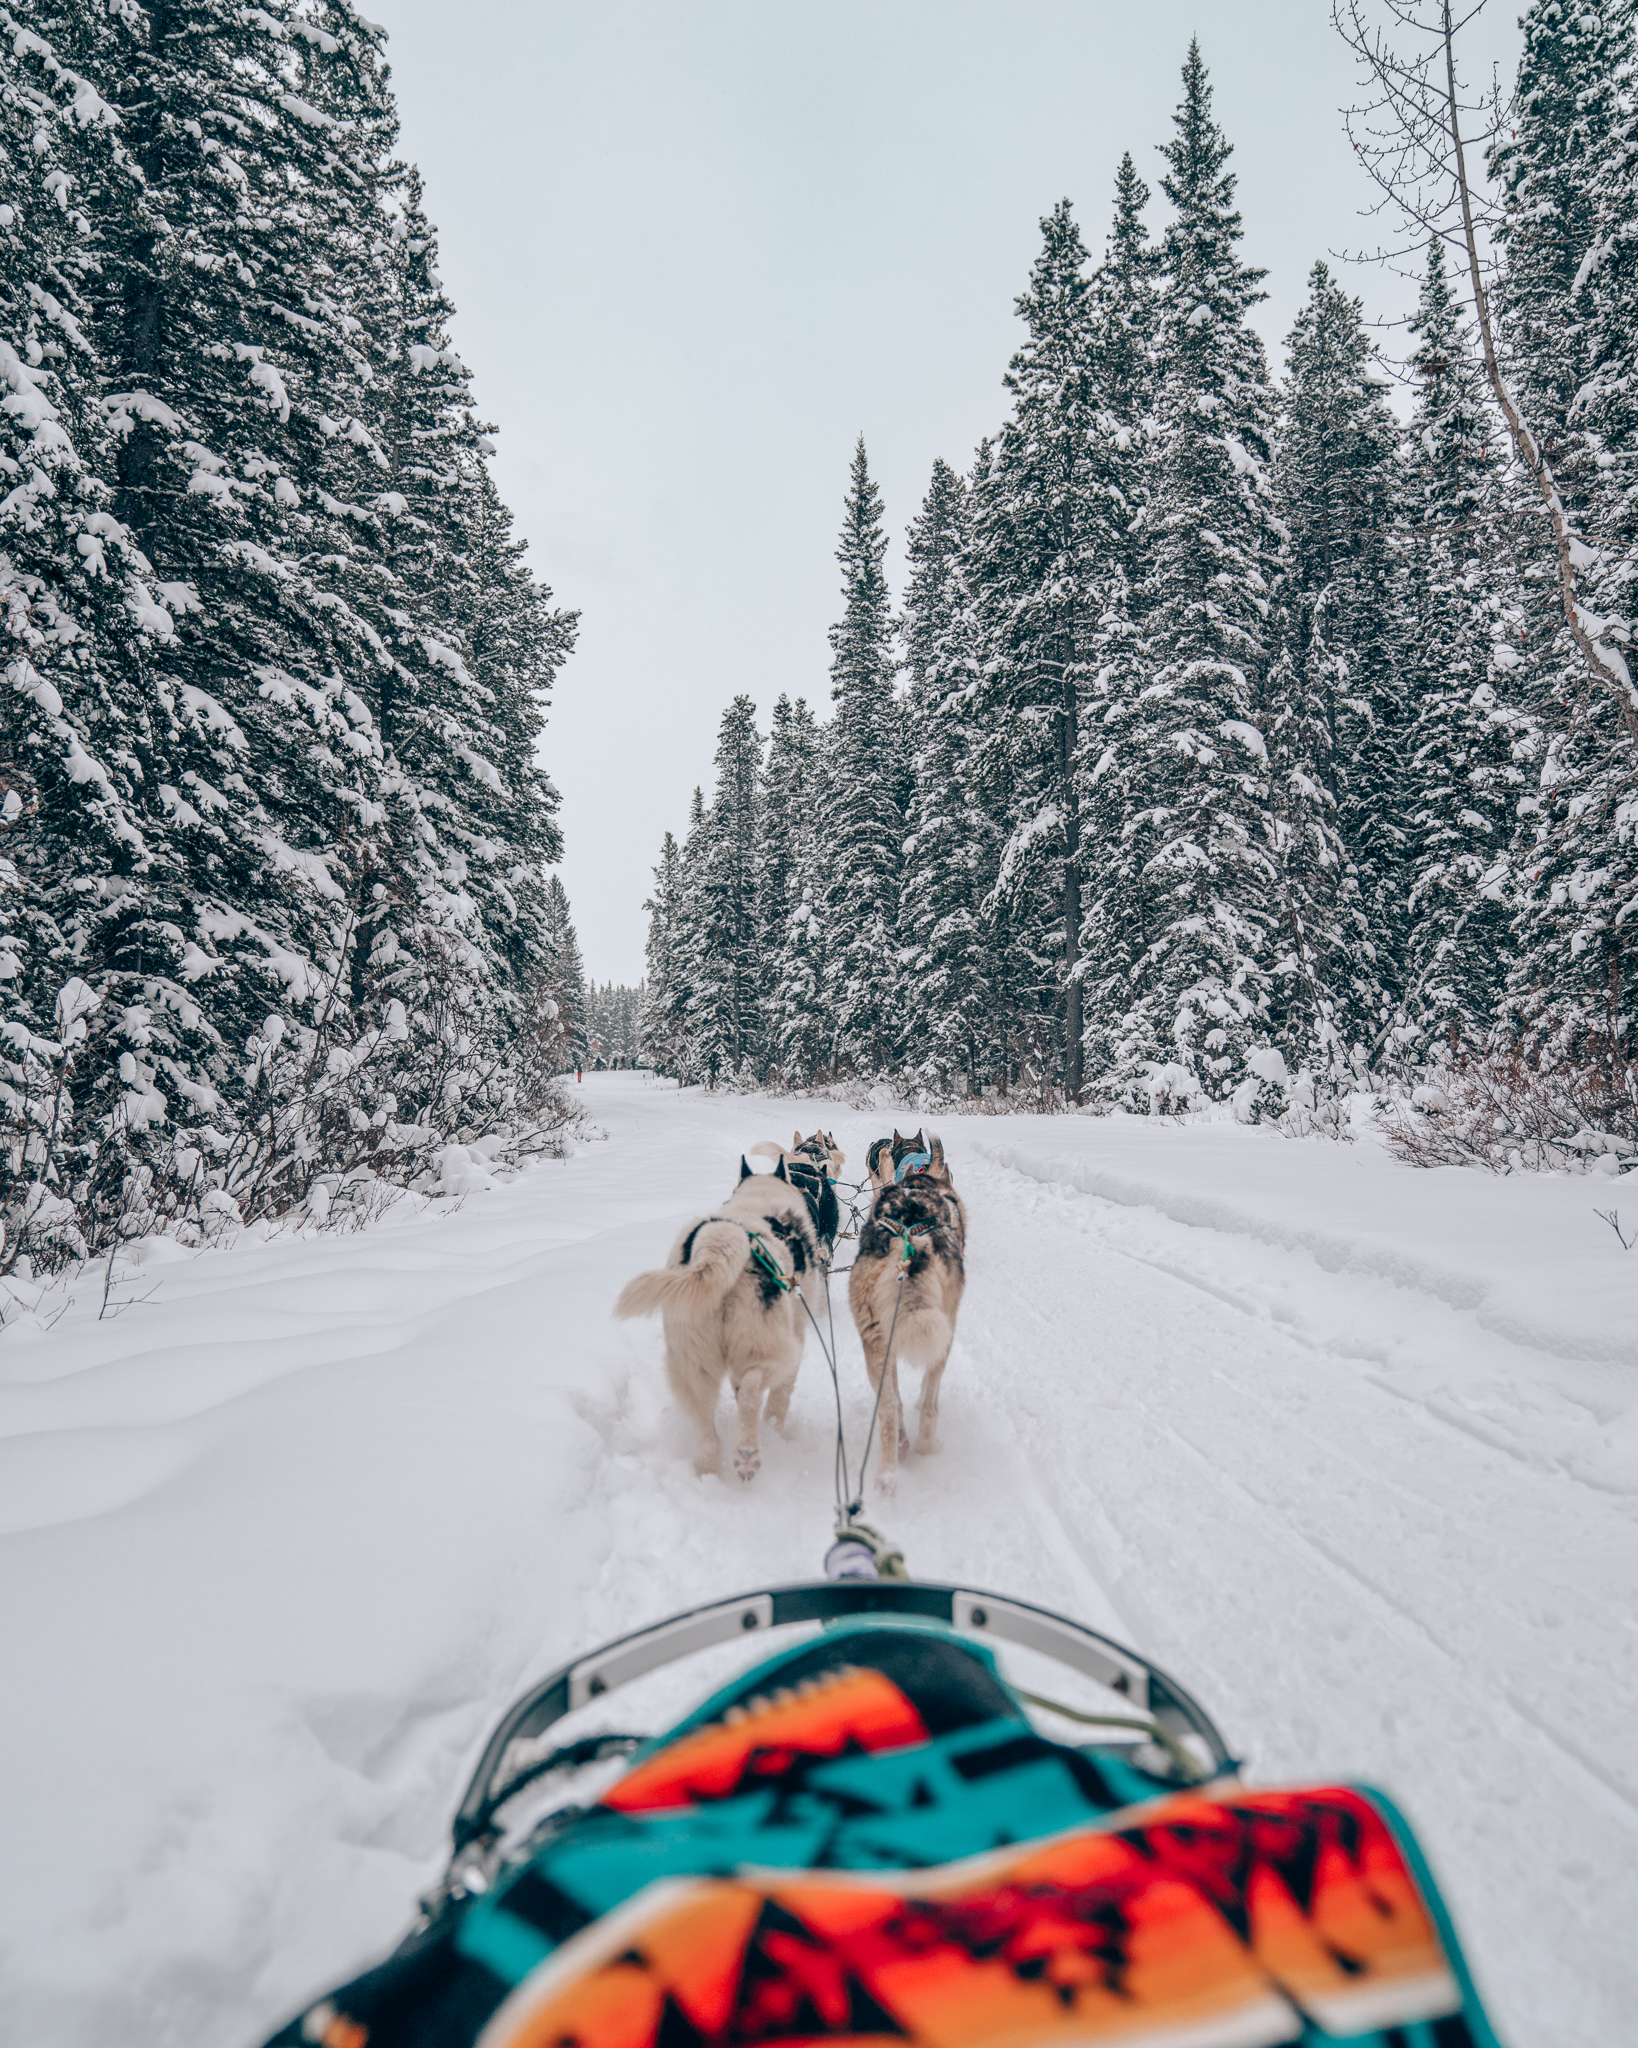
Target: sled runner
{"points": [[867, 1840]]}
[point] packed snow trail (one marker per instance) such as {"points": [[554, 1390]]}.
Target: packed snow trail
{"points": [[285, 1538]]}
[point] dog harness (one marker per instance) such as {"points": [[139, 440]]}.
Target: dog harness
{"points": [[764, 1258], [907, 1234], [912, 1162]]}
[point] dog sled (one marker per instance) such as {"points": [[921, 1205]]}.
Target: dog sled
{"points": [[877, 1835]]}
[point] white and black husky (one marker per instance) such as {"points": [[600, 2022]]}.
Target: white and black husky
{"points": [[731, 1294]]}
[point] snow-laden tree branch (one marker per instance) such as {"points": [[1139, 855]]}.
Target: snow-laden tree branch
{"points": [[1408, 133]]}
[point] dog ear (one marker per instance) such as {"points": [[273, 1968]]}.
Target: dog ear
{"points": [[779, 1170], [897, 1140], [744, 1167], [919, 1142], [796, 1141]]}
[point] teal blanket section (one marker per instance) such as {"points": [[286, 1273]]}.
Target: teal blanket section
{"points": [[1410, 1848], [904, 1809]]}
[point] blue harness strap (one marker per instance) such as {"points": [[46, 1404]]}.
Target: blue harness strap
{"points": [[912, 1162]]}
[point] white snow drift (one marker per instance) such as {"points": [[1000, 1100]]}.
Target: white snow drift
{"points": [[1352, 1449]]}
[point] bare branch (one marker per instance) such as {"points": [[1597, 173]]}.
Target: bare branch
{"points": [[1412, 133]]}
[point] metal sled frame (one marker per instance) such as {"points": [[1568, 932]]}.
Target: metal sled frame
{"points": [[1147, 1690]]}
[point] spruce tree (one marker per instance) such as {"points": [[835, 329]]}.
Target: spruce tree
{"points": [[230, 366], [864, 821], [1577, 874], [725, 1006], [662, 1029], [473, 644], [1335, 723], [1464, 783], [1115, 927], [1562, 121], [1050, 527], [1201, 999], [567, 975], [79, 610], [517, 641], [949, 852], [791, 889]]}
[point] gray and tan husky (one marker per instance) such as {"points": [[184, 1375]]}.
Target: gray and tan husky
{"points": [[729, 1294], [917, 1227]]}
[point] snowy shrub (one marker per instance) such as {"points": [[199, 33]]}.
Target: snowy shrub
{"points": [[101, 1143], [1512, 1111]]}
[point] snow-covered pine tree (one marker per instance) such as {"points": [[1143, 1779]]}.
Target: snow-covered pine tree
{"points": [[277, 855], [1049, 525], [567, 975], [1115, 927], [612, 1012], [662, 1023], [445, 579], [75, 603], [262, 797], [1577, 935], [935, 547], [689, 976], [517, 640], [949, 851], [1563, 116], [1126, 318], [1201, 1001], [1463, 781], [725, 1009], [791, 898], [863, 822], [788, 799], [1334, 717]]}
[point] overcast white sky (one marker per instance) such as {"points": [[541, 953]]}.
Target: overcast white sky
{"points": [[698, 246]]}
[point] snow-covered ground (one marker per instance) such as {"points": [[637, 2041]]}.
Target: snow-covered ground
{"points": [[1351, 1449]]}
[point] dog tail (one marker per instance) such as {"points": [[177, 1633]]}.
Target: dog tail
{"points": [[767, 1150], [716, 1258]]}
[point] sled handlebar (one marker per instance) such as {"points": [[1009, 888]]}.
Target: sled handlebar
{"points": [[1111, 1664]]}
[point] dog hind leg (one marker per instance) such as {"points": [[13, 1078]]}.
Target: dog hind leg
{"points": [[889, 1426], [696, 1394], [927, 1419], [748, 1450], [779, 1401]]}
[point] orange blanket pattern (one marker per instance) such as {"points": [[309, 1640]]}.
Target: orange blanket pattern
{"points": [[1204, 1920]]}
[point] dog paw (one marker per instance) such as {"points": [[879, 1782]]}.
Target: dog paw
{"points": [[747, 1462]]}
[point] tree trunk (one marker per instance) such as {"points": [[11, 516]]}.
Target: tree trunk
{"points": [[1068, 723], [1610, 672]]}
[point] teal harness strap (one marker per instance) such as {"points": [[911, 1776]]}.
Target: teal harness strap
{"points": [[761, 1255], [913, 1231]]}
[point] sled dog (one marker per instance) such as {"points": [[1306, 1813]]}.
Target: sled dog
{"points": [[917, 1227], [812, 1164], [729, 1296]]}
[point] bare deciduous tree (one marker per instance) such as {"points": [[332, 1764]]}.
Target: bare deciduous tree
{"points": [[1413, 132]]}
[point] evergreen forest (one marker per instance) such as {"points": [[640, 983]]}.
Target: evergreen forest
{"points": [[1232, 742], [276, 916]]}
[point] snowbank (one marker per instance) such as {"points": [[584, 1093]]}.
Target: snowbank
{"points": [[1525, 1254], [1349, 1447]]}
